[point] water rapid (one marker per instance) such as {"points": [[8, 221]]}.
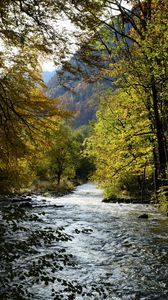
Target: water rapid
{"points": [[115, 255]]}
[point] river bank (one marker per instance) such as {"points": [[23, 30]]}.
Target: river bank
{"points": [[56, 191], [128, 200]]}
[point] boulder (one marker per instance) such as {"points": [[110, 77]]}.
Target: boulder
{"points": [[143, 216], [25, 205]]}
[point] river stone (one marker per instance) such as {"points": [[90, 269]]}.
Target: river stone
{"points": [[25, 205], [143, 216]]}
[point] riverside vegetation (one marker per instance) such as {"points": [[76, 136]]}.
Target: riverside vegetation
{"points": [[124, 149], [128, 143]]}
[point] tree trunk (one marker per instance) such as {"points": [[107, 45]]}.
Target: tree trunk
{"points": [[59, 176], [159, 133], [155, 172]]}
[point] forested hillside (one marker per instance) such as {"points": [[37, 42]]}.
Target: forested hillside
{"points": [[79, 95]]}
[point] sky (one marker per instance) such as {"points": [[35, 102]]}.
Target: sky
{"points": [[66, 24], [48, 66]]}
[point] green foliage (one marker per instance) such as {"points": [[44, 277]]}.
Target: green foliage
{"points": [[121, 142], [85, 166], [25, 116], [64, 153], [58, 163], [16, 176], [131, 49], [25, 112], [163, 199]]}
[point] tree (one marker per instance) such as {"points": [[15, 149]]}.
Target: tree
{"points": [[63, 164], [85, 167], [121, 143], [129, 45], [123, 42], [31, 23], [25, 112], [63, 156], [28, 32]]}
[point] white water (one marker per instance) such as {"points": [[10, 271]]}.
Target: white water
{"points": [[117, 256], [112, 247]]}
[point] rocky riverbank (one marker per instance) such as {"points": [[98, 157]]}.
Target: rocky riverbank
{"points": [[27, 197], [128, 200]]}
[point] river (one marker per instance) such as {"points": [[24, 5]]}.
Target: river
{"points": [[114, 255]]}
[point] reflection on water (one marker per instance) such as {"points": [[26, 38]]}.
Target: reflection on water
{"points": [[116, 255]]}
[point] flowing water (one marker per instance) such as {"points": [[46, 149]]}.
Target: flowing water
{"points": [[116, 255]]}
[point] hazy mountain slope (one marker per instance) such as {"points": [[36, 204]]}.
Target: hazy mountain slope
{"points": [[78, 95]]}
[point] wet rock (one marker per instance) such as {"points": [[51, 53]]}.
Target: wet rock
{"points": [[28, 199], [143, 216], [28, 194], [109, 200], [55, 206], [87, 230], [50, 205], [155, 220], [25, 205], [126, 200]]}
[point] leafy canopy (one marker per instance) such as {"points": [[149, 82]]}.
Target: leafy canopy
{"points": [[121, 140]]}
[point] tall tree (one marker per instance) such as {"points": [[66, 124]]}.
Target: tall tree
{"points": [[125, 40], [23, 108], [64, 154], [121, 143], [25, 113], [29, 30], [132, 40]]}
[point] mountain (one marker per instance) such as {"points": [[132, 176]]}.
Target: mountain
{"points": [[78, 95], [78, 84]]}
